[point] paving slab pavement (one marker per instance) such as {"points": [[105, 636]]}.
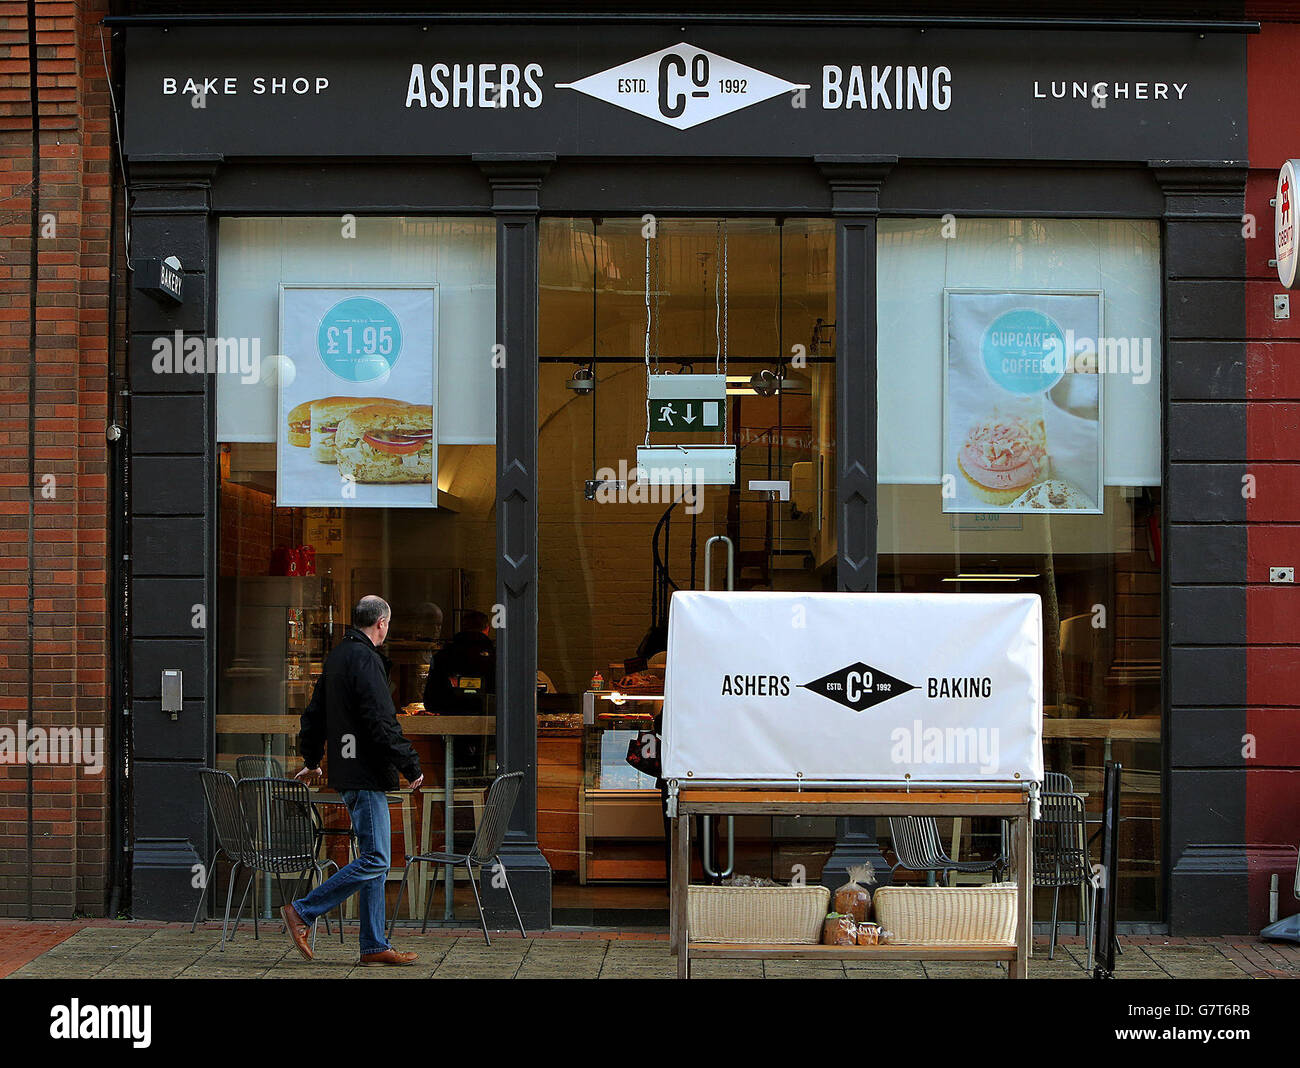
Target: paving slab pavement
{"points": [[107, 950]]}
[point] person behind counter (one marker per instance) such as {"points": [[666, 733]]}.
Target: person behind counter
{"points": [[463, 670], [461, 674], [351, 711]]}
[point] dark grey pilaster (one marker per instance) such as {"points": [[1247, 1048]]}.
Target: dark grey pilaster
{"points": [[171, 493], [855, 183], [1204, 537], [516, 186]]}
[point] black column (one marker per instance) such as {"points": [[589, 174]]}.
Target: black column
{"points": [[171, 500], [1204, 574], [855, 183], [516, 186]]}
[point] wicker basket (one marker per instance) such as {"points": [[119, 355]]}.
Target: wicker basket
{"points": [[948, 915], [764, 915]]}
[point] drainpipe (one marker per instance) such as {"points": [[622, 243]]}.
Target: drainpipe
{"points": [[31, 436], [119, 690]]}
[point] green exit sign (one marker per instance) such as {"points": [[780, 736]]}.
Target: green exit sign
{"points": [[684, 415]]}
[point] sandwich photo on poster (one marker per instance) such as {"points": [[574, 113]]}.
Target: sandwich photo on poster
{"points": [[357, 397], [1022, 400]]}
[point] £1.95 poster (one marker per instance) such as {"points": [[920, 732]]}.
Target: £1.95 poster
{"points": [[357, 397], [1022, 429]]}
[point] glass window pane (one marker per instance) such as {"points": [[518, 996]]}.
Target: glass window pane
{"points": [[1099, 575], [289, 576], [609, 564]]}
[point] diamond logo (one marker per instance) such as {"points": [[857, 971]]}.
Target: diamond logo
{"points": [[682, 86], [858, 686]]}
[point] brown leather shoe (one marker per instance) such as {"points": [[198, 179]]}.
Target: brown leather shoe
{"points": [[389, 956], [299, 932]]}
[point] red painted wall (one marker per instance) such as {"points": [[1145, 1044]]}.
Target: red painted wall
{"points": [[1273, 457]]}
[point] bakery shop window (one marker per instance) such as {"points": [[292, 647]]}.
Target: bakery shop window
{"points": [[750, 301], [1019, 436], [357, 455]]}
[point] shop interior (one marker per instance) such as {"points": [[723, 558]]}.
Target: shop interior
{"points": [[621, 300]]}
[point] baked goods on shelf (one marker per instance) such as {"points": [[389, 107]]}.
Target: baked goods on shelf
{"points": [[854, 897], [640, 682]]}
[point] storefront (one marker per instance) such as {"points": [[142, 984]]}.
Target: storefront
{"points": [[871, 241]]}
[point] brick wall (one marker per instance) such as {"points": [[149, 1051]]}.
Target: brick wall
{"points": [[62, 580]]}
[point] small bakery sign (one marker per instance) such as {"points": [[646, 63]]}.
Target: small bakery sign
{"points": [[1284, 235]]}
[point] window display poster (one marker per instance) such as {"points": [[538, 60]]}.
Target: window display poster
{"points": [[1022, 402], [322, 529], [357, 397]]}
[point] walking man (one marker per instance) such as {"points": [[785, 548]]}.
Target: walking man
{"points": [[352, 711]]}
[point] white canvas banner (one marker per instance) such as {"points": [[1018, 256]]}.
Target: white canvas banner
{"points": [[857, 687]]}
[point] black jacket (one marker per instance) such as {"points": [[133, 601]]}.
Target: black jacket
{"points": [[352, 709], [470, 653]]}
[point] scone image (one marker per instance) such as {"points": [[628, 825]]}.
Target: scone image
{"points": [[386, 442], [300, 425], [325, 415], [1003, 456], [1056, 496]]}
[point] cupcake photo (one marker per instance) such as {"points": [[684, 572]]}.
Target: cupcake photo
{"points": [[1022, 413], [1002, 457]]}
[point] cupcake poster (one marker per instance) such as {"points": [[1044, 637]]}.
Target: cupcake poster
{"points": [[1022, 401], [357, 397]]}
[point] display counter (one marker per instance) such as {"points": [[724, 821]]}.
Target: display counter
{"points": [[620, 814]]}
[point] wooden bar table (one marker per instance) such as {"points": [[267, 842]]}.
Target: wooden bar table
{"points": [[448, 728], [1004, 801]]}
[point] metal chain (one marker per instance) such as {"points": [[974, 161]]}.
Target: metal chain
{"points": [[717, 299], [647, 340], [658, 315], [726, 320]]}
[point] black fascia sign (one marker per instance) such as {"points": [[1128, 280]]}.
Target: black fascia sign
{"points": [[162, 279]]}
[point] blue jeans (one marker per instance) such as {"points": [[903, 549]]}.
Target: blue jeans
{"points": [[367, 874]]}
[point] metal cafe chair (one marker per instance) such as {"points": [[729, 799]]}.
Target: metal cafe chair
{"points": [[1061, 858], [482, 852], [1057, 782], [258, 766], [918, 848], [220, 793], [282, 835]]}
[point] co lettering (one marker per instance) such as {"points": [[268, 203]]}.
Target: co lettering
{"points": [[855, 682], [673, 67]]}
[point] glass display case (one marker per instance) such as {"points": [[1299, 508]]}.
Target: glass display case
{"points": [[613, 721], [621, 829]]}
